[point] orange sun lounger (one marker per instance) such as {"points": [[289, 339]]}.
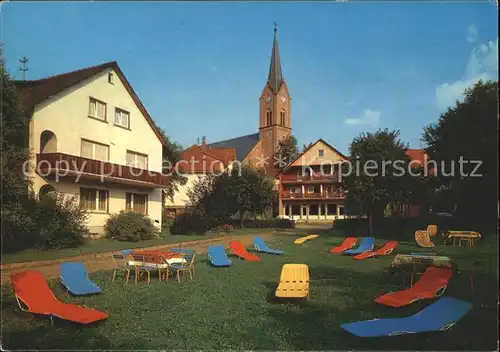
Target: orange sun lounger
{"points": [[348, 243], [432, 283], [33, 295], [386, 249], [238, 249]]}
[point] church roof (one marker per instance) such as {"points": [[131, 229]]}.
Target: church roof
{"points": [[275, 77], [243, 145]]}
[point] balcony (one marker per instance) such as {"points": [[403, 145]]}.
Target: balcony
{"points": [[325, 195], [71, 167], [299, 178]]}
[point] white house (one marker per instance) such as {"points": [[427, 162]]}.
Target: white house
{"points": [[91, 137]]}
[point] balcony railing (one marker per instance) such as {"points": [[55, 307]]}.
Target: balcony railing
{"points": [[65, 165], [307, 178], [317, 195]]}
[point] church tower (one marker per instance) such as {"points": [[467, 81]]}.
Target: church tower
{"points": [[275, 107]]}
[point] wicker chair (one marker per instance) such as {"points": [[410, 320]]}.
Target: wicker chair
{"points": [[121, 264]]}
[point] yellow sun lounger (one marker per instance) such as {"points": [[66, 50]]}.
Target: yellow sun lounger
{"points": [[294, 281], [301, 240]]}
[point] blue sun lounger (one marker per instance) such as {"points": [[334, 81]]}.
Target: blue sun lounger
{"points": [[261, 246], [366, 244], [217, 256], [74, 277], [439, 316]]}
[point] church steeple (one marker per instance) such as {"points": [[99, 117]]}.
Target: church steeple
{"points": [[275, 77], [275, 108]]}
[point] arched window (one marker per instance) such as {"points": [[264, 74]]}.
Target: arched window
{"points": [[269, 118], [45, 191], [48, 142], [282, 118]]}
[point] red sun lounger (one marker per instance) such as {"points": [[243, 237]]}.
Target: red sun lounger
{"points": [[33, 295], [348, 243], [432, 283], [386, 249], [238, 249]]}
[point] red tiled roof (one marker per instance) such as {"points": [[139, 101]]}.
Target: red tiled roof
{"points": [[36, 91], [197, 159], [417, 155], [227, 155]]}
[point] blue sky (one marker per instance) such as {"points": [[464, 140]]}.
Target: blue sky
{"points": [[199, 68]]}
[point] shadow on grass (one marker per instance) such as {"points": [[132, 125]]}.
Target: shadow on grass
{"points": [[317, 323]]}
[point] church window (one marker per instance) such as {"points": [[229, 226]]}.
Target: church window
{"points": [[269, 117], [282, 118]]}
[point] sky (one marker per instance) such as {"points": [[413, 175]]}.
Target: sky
{"points": [[200, 67]]}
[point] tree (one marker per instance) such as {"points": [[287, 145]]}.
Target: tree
{"points": [[379, 165], [468, 132], [15, 185], [287, 151], [171, 156], [306, 146], [244, 191]]}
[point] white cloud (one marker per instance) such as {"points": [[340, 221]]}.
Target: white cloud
{"points": [[471, 34], [369, 117], [482, 65]]}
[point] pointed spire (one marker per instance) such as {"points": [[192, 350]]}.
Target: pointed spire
{"points": [[275, 77]]}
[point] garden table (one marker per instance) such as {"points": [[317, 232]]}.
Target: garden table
{"points": [[418, 262], [468, 236], [153, 257]]}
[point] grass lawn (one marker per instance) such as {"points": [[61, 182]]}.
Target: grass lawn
{"points": [[105, 245], [234, 308]]}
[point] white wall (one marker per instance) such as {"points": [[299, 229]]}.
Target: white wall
{"points": [[181, 198], [66, 115]]}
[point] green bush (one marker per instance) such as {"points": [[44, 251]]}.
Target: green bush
{"points": [[60, 222], [130, 226], [192, 221], [19, 224], [54, 222], [166, 223]]}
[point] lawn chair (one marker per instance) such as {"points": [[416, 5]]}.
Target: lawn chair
{"points": [[423, 237], [217, 256], [261, 246], [301, 240], [121, 264], [431, 284], [238, 249], [366, 244], [144, 265], [294, 281], [33, 295], [74, 277], [386, 249], [180, 268], [348, 243], [188, 254], [439, 316]]}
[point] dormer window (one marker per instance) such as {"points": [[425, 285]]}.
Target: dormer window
{"points": [[110, 78]]}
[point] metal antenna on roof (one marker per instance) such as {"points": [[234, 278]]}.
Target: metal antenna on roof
{"points": [[23, 66]]}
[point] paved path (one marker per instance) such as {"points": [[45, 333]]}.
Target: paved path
{"points": [[103, 261], [314, 226]]}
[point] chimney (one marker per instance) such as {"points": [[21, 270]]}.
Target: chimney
{"points": [[203, 141], [198, 140]]}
